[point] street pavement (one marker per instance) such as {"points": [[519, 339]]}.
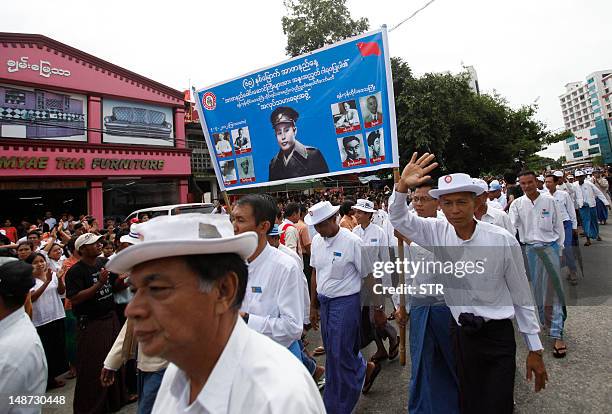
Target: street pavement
{"points": [[580, 383]]}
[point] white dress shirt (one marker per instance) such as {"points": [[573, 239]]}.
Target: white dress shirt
{"points": [[589, 192], [569, 189], [502, 200], [23, 366], [566, 207], [504, 272], [494, 204], [538, 221], [273, 297], [253, 375], [337, 261], [300, 262], [374, 240], [144, 362], [499, 218]]}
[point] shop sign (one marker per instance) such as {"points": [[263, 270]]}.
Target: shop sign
{"points": [[66, 163], [43, 67]]}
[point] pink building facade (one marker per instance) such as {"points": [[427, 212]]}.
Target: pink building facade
{"points": [[81, 135]]}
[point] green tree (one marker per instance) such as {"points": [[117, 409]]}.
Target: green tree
{"points": [[311, 24], [597, 161]]}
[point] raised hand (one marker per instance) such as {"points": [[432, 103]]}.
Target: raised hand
{"points": [[416, 171]]}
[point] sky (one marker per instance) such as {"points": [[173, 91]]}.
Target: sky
{"points": [[525, 50]]}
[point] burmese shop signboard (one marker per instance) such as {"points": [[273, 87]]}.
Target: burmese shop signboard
{"points": [[325, 113]]}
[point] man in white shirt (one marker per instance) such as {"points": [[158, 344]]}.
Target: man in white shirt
{"points": [[484, 212], [434, 386], [273, 304], [189, 276], [588, 210], [374, 240], [23, 366], [570, 224], [335, 257], [540, 225], [563, 185], [482, 306]]}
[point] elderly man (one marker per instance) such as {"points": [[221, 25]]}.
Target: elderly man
{"points": [[23, 366], [338, 271], [294, 159], [482, 306], [189, 276]]}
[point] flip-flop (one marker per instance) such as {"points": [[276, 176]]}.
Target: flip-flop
{"points": [[368, 384], [557, 352], [376, 359], [394, 351], [318, 351]]}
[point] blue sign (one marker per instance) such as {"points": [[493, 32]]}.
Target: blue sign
{"points": [[325, 113]]}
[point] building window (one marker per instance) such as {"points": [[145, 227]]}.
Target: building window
{"points": [[577, 154], [594, 141], [594, 150], [591, 80], [573, 147]]}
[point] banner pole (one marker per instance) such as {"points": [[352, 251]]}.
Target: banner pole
{"points": [[401, 255], [227, 202]]}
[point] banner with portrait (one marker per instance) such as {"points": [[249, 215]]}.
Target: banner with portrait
{"points": [[325, 113]]}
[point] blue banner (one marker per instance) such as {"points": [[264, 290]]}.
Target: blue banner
{"points": [[325, 113]]}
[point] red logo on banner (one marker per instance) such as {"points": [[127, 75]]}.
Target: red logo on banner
{"points": [[209, 100], [448, 179], [368, 48]]}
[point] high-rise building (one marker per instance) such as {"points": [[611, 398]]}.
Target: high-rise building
{"points": [[587, 113]]}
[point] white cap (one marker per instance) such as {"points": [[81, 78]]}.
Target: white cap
{"points": [[540, 178], [87, 238], [320, 212], [558, 173], [578, 173], [455, 183], [365, 205], [183, 235], [481, 183]]}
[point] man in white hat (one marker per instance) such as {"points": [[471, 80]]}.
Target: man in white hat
{"points": [[563, 185], [570, 223], [482, 302], [539, 222], [588, 208], [434, 386], [273, 303], [189, 276], [335, 257], [89, 287], [375, 242], [484, 211]]}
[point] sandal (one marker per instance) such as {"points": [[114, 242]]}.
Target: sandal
{"points": [[370, 381], [376, 359], [394, 351], [560, 352], [318, 351], [391, 316], [588, 243]]}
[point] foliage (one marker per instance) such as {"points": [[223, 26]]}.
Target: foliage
{"points": [[597, 161], [312, 24], [539, 164]]}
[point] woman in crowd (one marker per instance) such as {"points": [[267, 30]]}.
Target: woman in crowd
{"points": [[70, 321], [48, 317]]}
